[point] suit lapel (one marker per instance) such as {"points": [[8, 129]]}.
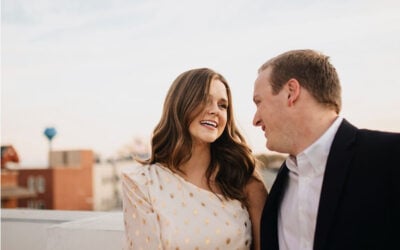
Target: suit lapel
{"points": [[338, 162], [269, 221]]}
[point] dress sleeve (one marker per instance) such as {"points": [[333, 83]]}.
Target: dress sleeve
{"points": [[142, 229]]}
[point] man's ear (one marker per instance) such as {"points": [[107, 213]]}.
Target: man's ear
{"points": [[293, 91]]}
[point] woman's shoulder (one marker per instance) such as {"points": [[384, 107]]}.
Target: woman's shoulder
{"points": [[144, 173], [256, 190], [137, 172], [135, 168]]}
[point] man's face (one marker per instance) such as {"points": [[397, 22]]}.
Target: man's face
{"points": [[271, 112]]}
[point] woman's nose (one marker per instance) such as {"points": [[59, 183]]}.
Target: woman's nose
{"points": [[213, 108]]}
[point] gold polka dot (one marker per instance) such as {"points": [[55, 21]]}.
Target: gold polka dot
{"points": [[207, 241], [207, 221], [203, 204], [195, 212], [228, 241], [158, 217], [134, 215], [171, 195], [215, 213], [196, 248], [143, 174], [247, 242], [191, 194], [227, 223], [186, 221], [137, 232], [147, 239], [218, 231], [187, 240], [161, 187], [183, 204], [144, 221]]}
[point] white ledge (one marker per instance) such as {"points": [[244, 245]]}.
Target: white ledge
{"points": [[60, 230]]}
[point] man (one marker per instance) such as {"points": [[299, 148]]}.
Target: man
{"points": [[340, 186]]}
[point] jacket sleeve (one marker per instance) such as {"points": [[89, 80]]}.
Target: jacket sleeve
{"points": [[142, 229]]}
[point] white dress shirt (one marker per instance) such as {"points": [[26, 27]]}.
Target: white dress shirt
{"points": [[298, 211]]}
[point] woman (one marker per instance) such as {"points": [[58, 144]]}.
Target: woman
{"points": [[199, 189]]}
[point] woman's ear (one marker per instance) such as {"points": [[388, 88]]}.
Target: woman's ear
{"points": [[293, 91]]}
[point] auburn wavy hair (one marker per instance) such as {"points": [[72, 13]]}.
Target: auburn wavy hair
{"points": [[232, 161]]}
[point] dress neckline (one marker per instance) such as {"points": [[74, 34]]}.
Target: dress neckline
{"points": [[219, 196]]}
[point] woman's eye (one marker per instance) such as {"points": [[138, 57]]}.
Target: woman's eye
{"points": [[223, 106]]}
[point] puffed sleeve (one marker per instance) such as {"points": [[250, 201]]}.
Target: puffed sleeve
{"points": [[142, 229]]}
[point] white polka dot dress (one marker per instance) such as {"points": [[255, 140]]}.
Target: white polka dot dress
{"points": [[164, 211]]}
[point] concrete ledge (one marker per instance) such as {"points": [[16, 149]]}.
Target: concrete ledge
{"points": [[55, 229], [100, 233]]}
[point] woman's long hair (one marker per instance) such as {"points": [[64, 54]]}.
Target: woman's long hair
{"points": [[171, 144]]}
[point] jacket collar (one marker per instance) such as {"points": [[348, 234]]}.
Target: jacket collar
{"points": [[337, 166]]}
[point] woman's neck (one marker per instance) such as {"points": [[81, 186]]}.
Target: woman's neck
{"points": [[194, 170]]}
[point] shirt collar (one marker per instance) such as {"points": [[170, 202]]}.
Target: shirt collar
{"points": [[315, 155]]}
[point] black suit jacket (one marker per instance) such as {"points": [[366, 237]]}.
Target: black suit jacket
{"points": [[359, 205]]}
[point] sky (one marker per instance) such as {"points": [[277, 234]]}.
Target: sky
{"points": [[98, 71]]}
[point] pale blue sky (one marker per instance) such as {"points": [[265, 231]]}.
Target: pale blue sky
{"points": [[99, 70]]}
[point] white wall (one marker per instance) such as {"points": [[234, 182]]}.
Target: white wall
{"points": [[54, 229]]}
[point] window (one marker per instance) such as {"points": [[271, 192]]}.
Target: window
{"points": [[40, 184]]}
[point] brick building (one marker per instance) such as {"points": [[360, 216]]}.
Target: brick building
{"points": [[66, 185]]}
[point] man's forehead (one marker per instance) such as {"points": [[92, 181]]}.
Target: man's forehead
{"points": [[262, 79]]}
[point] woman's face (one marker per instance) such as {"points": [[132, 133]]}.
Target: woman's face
{"points": [[211, 121]]}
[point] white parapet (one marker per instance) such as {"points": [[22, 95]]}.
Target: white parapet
{"points": [[56, 230]]}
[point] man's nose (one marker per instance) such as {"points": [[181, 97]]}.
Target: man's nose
{"points": [[256, 120]]}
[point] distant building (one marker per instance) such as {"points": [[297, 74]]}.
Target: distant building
{"points": [[10, 191], [66, 185]]}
